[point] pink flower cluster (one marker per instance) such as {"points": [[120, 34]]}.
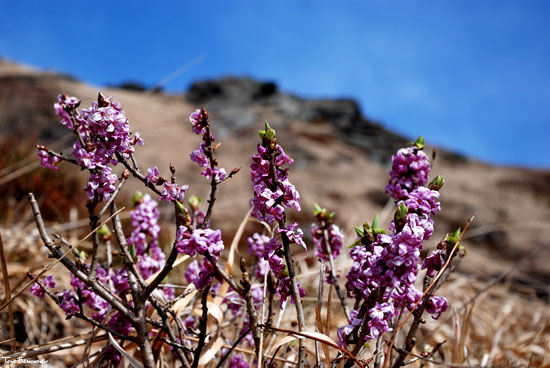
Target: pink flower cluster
{"points": [[238, 361], [410, 169], [199, 123], [270, 200], [144, 237], [103, 131], [48, 160], [257, 244], [199, 241], [171, 191], [273, 193], [149, 259], [334, 238], [390, 264], [38, 291], [274, 255], [434, 262], [70, 303]]}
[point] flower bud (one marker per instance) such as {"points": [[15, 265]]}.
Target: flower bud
{"points": [[268, 135], [419, 142], [204, 114], [436, 183], [136, 199], [375, 227], [451, 239], [360, 232], [101, 100], [400, 216], [194, 202], [104, 232]]}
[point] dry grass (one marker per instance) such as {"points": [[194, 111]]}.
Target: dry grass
{"points": [[501, 327], [504, 325]]}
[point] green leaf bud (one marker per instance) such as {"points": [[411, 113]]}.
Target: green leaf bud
{"points": [[194, 202], [436, 183], [419, 142], [268, 134], [136, 199], [316, 209]]}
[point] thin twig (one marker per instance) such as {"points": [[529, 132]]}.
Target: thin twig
{"points": [[235, 344], [113, 195], [297, 298], [51, 347], [209, 152], [318, 307], [202, 327], [97, 287], [7, 291], [251, 311], [339, 291], [137, 174]]}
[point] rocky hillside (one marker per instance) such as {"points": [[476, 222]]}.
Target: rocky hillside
{"points": [[341, 160]]}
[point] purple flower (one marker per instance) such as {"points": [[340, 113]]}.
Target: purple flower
{"points": [[148, 265], [380, 318], [47, 160], [68, 303], [172, 192], [102, 184], [99, 305], [238, 361], [197, 122], [261, 268], [391, 262], [137, 140], [423, 201], [153, 175], [37, 290], [294, 234], [120, 324], [192, 271], [347, 329], [410, 169], [434, 262], [269, 201], [84, 158], [112, 356], [436, 306], [189, 322], [199, 241], [285, 290], [199, 157], [120, 281], [219, 175], [108, 130], [274, 255], [144, 219], [63, 105], [205, 275], [256, 244], [335, 240]]}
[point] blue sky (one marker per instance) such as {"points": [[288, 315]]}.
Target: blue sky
{"points": [[473, 76]]}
